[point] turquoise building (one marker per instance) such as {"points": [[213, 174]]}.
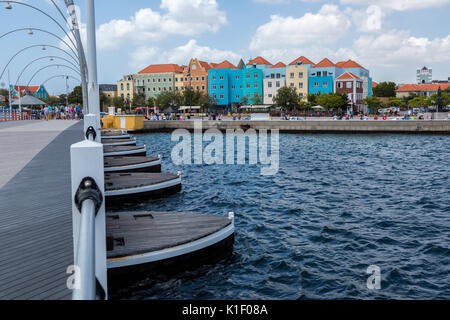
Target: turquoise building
{"points": [[228, 84], [38, 91]]}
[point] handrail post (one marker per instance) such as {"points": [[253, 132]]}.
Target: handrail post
{"points": [[89, 222], [91, 123]]}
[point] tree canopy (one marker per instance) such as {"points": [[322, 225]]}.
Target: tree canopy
{"points": [[385, 89], [287, 98], [333, 101]]}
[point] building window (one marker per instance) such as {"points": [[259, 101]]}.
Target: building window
{"points": [[233, 87], [278, 84], [319, 74], [272, 76], [215, 96], [316, 85], [292, 85], [237, 96], [339, 85], [255, 76], [248, 85], [221, 77], [247, 75], [196, 79], [325, 73], [221, 86], [203, 88], [203, 78], [301, 95], [269, 84], [300, 75], [300, 85], [221, 96], [128, 87], [349, 85], [292, 75], [255, 85], [214, 87], [121, 86], [255, 94], [278, 76], [325, 85], [214, 78], [198, 88], [237, 77], [270, 95]]}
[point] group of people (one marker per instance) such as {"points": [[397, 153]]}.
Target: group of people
{"points": [[61, 113]]}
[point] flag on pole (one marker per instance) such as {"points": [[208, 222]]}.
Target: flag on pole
{"points": [[189, 72]]}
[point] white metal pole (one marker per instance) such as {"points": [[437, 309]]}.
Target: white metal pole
{"points": [[87, 161], [9, 94], [20, 105], [94, 96]]}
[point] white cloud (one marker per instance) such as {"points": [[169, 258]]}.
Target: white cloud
{"points": [[145, 56], [325, 27], [399, 48], [367, 20], [399, 5], [183, 17]]}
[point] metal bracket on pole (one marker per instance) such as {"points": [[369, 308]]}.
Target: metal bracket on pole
{"points": [[91, 128], [88, 189]]}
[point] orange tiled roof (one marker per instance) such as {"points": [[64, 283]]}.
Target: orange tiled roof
{"points": [[303, 60], [224, 65], [259, 60], [205, 65], [374, 84], [325, 63], [279, 65], [30, 88], [162, 68], [423, 87], [349, 64], [347, 76]]}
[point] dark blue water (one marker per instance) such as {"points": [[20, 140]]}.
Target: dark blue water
{"points": [[339, 204]]}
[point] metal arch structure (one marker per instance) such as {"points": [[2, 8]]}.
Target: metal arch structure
{"points": [[41, 58], [76, 34], [44, 31], [44, 13], [30, 47], [50, 66], [61, 75]]}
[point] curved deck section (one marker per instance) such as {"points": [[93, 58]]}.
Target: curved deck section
{"points": [[132, 151], [144, 238], [121, 188], [119, 142], [132, 164]]}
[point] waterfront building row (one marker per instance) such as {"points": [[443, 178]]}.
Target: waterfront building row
{"points": [[256, 82]]}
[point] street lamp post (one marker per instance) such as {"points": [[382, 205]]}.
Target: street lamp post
{"points": [[93, 90]]}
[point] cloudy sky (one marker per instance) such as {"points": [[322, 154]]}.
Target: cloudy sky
{"points": [[390, 37]]}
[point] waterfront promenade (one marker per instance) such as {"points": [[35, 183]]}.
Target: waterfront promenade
{"points": [[310, 126], [35, 208]]}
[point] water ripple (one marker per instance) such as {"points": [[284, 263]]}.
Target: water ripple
{"points": [[338, 204]]}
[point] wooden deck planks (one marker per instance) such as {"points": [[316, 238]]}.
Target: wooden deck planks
{"points": [[144, 234], [36, 224]]}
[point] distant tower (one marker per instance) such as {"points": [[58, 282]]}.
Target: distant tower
{"points": [[424, 75]]}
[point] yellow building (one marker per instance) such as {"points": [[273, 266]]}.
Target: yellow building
{"points": [[297, 77], [125, 87], [179, 80]]}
